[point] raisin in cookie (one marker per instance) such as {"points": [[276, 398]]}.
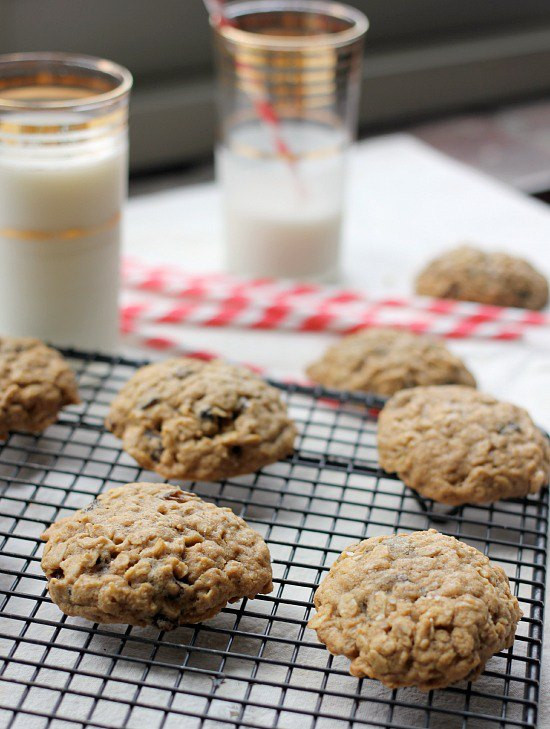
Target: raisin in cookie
{"points": [[468, 274], [189, 419], [383, 361], [35, 383], [419, 609], [456, 445], [150, 554]]}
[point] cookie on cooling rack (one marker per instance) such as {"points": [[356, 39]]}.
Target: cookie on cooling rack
{"points": [[456, 445], [35, 384], [420, 609], [468, 274], [189, 419], [151, 554], [383, 361]]}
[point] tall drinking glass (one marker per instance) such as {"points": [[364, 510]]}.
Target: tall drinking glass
{"points": [[63, 182], [289, 80]]}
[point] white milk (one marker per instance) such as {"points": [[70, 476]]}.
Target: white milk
{"points": [[282, 221], [59, 241]]}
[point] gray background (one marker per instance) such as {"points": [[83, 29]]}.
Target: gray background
{"points": [[424, 57]]}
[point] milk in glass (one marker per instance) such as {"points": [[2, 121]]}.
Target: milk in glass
{"points": [[59, 239], [283, 219]]}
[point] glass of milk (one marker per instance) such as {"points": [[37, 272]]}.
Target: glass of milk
{"points": [[289, 75], [63, 182]]}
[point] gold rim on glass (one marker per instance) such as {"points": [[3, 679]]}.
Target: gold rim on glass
{"points": [[356, 20], [107, 82]]}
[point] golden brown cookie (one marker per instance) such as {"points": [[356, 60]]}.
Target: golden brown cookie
{"points": [[420, 609], [151, 554], [189, 419], [456, 445], [468, 274], [35, 383], [383, 361]]}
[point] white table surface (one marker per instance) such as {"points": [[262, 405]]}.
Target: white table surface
{"points": [[406, 202]]}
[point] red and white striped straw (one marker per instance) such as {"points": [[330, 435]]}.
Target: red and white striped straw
{"points": [[241, 313], [176, 346], [305, 299], [262, 106]]}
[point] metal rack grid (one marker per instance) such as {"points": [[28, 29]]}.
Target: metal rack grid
{"points": [[255, 664]]}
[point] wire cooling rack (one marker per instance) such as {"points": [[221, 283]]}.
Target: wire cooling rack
{"points": [[254, 665]]}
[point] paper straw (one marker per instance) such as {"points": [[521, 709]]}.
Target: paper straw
{"points": [[223, 288], [175, 345], [263, 107], [241, 313]]}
